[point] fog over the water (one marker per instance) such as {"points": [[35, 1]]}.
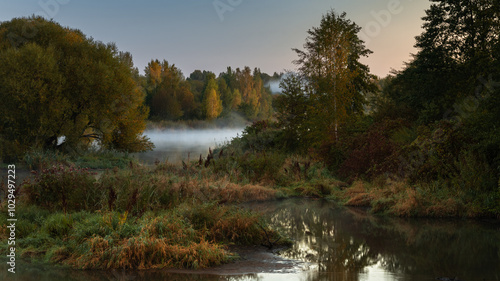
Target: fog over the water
{"points": [[175, 145]]}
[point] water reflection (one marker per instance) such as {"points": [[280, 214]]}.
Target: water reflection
{"points": [[349, 244], [336, 243], [179, 144]]}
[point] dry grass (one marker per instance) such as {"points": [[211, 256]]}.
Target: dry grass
{"points": [[401, 199], [191, 236], [445, 208], [358, 195], [147, 253]]}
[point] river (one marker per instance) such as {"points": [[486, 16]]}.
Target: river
{"points": [[335, 243], [175, 145]]}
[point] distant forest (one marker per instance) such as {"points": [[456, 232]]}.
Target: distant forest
{"points": [[203, 95]]}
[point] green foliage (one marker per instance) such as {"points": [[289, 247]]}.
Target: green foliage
{"points": [[37, 159], [102, 159], [369, 154], [291, 108], [334, 79], [229, 224], [57, 225], [62, 188], [204, 96], [262, 166], [60, 83], [167, 93], [176, 237], [446, 71]]}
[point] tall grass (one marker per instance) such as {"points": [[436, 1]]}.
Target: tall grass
{"points": [[190, 236]]}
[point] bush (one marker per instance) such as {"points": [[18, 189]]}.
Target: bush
{"points": [[369, 154], [226, 224], [57, 225], [258, 137], [63, 188], [261, 166], [40, 159]]}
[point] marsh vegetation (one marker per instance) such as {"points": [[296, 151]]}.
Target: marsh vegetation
{"points": [[422, 142]]}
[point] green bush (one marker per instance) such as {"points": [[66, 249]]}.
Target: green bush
{"points": [[63, 188], [261, 166], [58, 225], [39, 159]]}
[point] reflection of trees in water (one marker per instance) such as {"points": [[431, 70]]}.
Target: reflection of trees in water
{"points": [[347, 241], [343, 242], [321, 239]]}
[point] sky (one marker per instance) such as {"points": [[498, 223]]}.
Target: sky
{"points": [[213, 34]]}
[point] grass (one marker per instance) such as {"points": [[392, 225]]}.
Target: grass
{"points": [[142, 217], [188, 236], [138, 217], [398, 198], [92, 158]]}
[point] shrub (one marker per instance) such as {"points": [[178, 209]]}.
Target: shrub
{"points": [[369, 153], [40, 159], [262, 166], [58, 225], [63, 188]]}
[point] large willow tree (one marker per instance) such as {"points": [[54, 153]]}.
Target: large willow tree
{"points": [[335, 79], [55, 82]]}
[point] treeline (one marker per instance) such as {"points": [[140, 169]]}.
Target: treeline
{"points": [[203, 95], [62, 90], [433, 128]]}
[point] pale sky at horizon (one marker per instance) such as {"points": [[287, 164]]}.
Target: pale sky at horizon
{"points": [[256, 33]]}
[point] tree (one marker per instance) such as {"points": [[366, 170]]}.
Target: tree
{"points": [[456, 49], [168, 93], [236, 102], [59, 83], [291, 109], [212, 103], [335, 78]]}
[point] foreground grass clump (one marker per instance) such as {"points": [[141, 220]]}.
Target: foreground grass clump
{"points": [[138, 217], [183, 237]]}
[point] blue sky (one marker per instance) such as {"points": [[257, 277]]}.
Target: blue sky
{"points": [[214, 34]]}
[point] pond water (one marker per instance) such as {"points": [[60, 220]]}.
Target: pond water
{"points": [[336, 243], [182, 144]]}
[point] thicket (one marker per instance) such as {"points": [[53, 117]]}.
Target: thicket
{"points": [[429, 128], [187, 236]]}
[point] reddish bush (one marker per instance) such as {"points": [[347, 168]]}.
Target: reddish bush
{"points": [[371, 153]]}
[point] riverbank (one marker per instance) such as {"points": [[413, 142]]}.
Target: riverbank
{"points": [[401, 199], [166, 215], [330, 242], [138, 218], [184, 216]]}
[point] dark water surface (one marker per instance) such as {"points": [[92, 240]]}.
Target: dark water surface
{"points": [[336, 243]]}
